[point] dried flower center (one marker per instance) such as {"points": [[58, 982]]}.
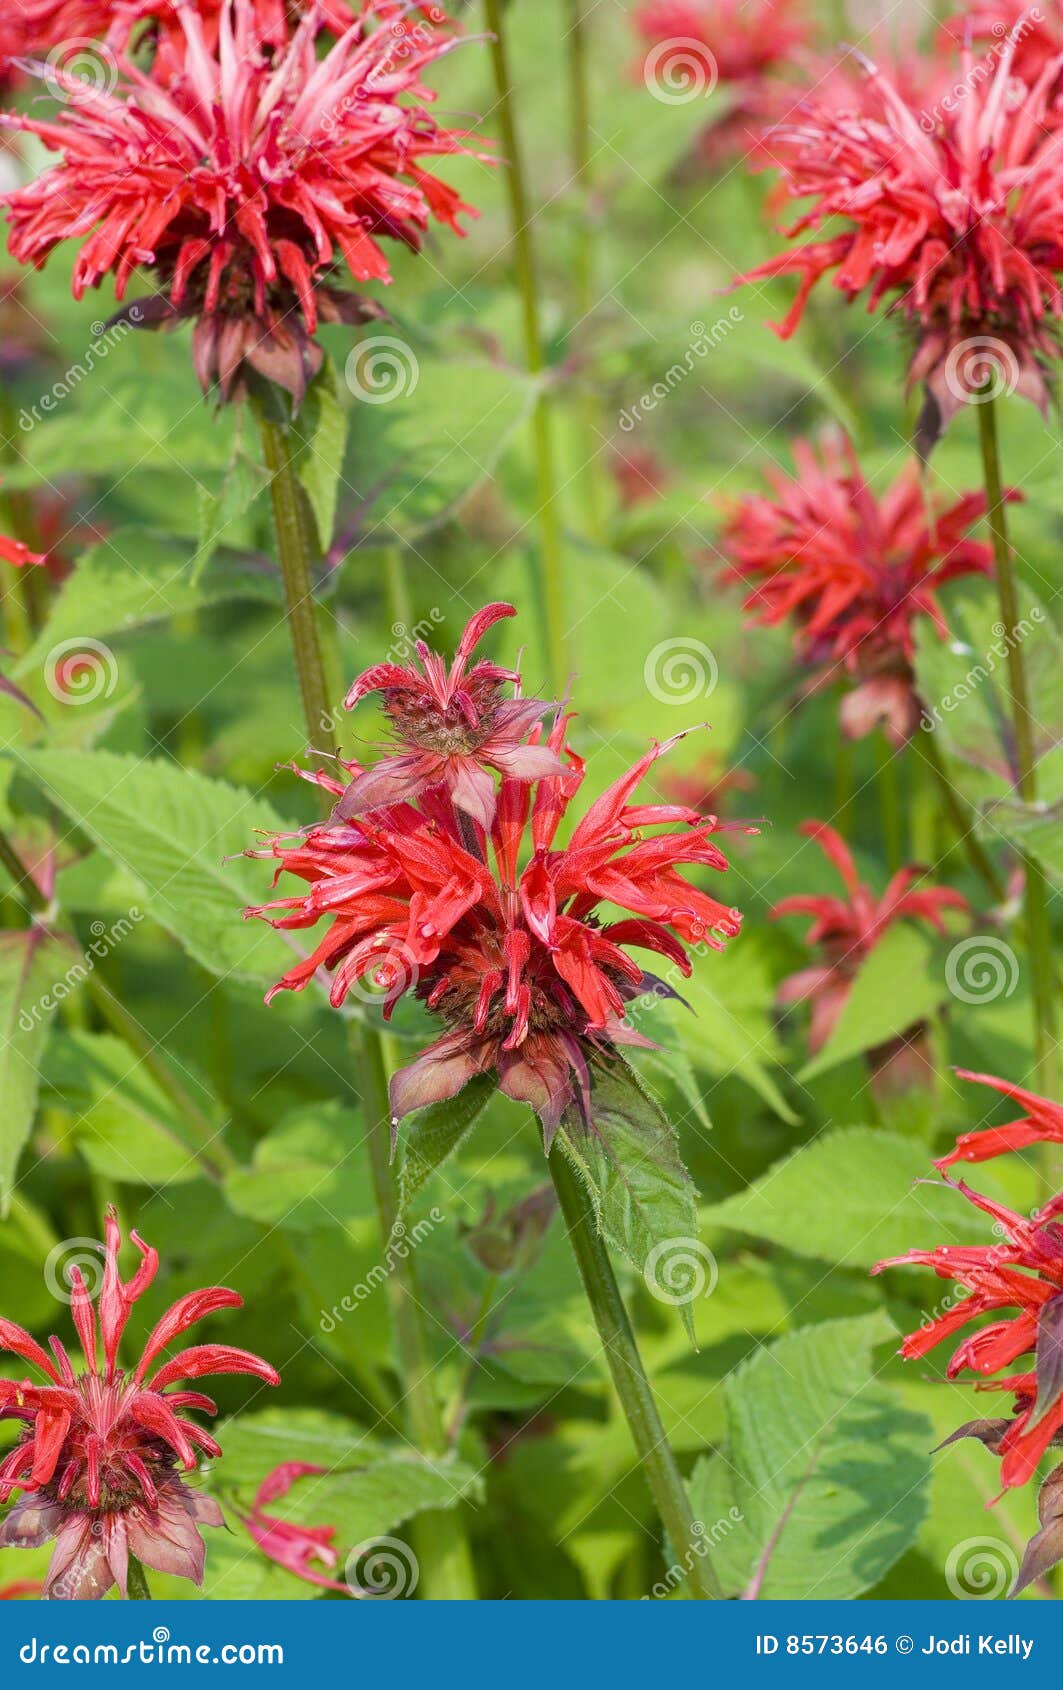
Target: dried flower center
{"points": [[453, 730]]}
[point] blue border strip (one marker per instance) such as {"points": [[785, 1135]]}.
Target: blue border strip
{"points": [[486, 1645]]}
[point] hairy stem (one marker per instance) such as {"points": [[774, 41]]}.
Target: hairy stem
{"points": [[445, 1563], [550, 544], [629, 1377], [443, 1550], [1038, 928]]}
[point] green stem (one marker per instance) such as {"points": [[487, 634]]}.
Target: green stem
{"points": [[550, 542], [1038, 928], [889, 801], [579, 104], [137, 1582], [295, 553], [629, 1376], [444, 1556], [206, 1144], [926, 747], [442, 1545]]}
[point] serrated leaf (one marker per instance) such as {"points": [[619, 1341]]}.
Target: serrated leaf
{"points": [[822, 1483], [437, 1133], [309, 1172], [643, 1197], [131, 579], [124, 1124], [33, 971], [173, 831], [897, 986], [416, 457], [244, 479], [852, 1197], [321, 426]]}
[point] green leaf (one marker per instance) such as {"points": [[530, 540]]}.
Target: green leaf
{"points": [[643, 1197], [852, 1197], [133, 578], [437, 1132], [310, 1171], [124, 1124], [218, 512], [322, 429], [822, 1483], [896, 987], [173, 831], [35, 973], [415, 457]]}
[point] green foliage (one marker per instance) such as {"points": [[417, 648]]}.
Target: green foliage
{"points": [[821, 1484]]}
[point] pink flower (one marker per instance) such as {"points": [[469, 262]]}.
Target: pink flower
{"points": [[292, 1546], [98, 1457], [854, 572], [506, 936], [949, 214], [456, 726]]}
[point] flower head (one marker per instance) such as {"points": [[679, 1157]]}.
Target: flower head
{"points": [[100, 1450], [500, 931], [739, 45], [950, 215], [847, 929], [1023, 1271], [455, 725], [47, 24], [854, 572], [292, 1546], [241, 183]]}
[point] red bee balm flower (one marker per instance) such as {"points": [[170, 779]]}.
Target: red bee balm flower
{"points": [[854, 572], [242, 182], [532, 984], [1022, 1271], [1041, 1124], [457, 726], [848, 929], [695, 45], [98, 1458], [950, 214]]}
